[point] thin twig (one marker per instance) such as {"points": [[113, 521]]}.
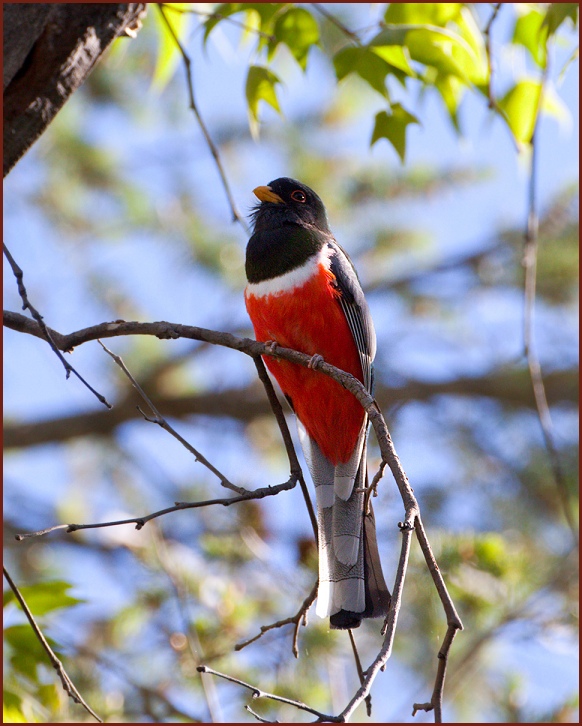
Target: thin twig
{"points": [[280, 416], [378, 664], [490, 66], [68, 684], [436, 701], [453, 621], [236, 216], [300, 618], [492, 102], [529, 263], [293, 461], [260, 719], [335, 21], [258, 693], [389, 628], [360, 670], [449, 608], [26, 305], [377, 476], [161, 421], [139, 522]]}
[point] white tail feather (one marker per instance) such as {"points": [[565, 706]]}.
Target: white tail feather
{"points": [[345, 548], [348, 595]]}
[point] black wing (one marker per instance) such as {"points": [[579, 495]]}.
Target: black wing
{"points": [[355, 308]]}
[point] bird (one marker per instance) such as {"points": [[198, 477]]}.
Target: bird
{"points": [[303, 293]]}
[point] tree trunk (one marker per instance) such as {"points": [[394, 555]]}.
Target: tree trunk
{"points": [[49, 50]]}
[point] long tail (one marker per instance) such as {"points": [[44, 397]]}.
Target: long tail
{"points": [[351, 583], [360, 590]]}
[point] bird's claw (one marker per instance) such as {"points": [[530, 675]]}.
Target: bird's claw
{"points": [[315, 362]]}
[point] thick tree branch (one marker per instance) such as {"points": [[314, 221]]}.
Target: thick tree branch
{"points": [[49, 50], [507, 385]]}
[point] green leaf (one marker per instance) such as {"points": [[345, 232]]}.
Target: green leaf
{"points": [[44, 597], [259, 16], [396, 56], [220, 13], [367, 64], [298, 29], [470, 31], [13, 707], [440, 48], [392, 126], [260, 86], [168, 51], [530, 32], [557, 13], [26, 650], [520, 106], [11, 714], [421, 13], [213, 21], [451, 90]]}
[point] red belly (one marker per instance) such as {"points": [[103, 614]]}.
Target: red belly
{"points": [[311, 320]]}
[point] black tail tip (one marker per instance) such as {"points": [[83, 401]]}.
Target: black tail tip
{"points": [[376, 607], [345, 620]]}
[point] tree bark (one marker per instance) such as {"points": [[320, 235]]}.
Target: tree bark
{"points": [[49, 50]]}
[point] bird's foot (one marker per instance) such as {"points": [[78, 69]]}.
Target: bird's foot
{"points": [[315, 362], [271, 346]]}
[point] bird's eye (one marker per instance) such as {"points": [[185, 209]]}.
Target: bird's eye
{"points": [[299, 196]]}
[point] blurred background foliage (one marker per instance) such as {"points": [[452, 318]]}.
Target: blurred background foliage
{"points": [[118, 213]]}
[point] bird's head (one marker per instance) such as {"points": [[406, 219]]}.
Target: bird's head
{"points": [[287, 201]]}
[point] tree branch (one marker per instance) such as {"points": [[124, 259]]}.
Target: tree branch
{"points": [[68, 684], [258, 693], [236, 216], [49, 50], [389, 456], [161, 421], [350, 34], [537, 382], [44, 331], [139, 522], [508, 385], [300, 618], [492, 101], [280, 416]]}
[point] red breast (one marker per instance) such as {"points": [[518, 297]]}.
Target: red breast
{"points": [[308, 318]]}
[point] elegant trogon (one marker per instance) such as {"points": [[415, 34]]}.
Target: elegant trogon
{"points": [[303, 293]]}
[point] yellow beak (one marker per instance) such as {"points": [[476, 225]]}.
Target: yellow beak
{"points": [[266, 194]]}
